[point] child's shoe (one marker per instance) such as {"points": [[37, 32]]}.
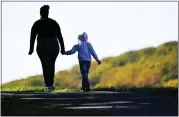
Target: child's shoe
{"points": [[81, 89], [87, 89]]}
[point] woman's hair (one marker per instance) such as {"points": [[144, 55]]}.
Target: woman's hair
{"points": [[44, 10]]}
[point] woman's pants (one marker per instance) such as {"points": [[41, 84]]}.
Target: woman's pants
{"points": [[84, 68], [48, 50]]}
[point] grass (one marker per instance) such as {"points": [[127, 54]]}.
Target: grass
{"points": [[152, 89], [33, 89]]}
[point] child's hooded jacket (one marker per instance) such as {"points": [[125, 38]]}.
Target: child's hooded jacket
{"points": [[84, 48]]}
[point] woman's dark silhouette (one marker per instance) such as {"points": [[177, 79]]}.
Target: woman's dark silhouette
{"points": [[48, 34]]}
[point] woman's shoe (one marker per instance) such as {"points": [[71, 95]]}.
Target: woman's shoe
{"points": [[50, 88]]}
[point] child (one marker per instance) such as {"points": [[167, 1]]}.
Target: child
{"points": [[85, 50]]}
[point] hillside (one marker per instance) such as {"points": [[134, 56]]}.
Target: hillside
{"points": [[148, 66]]}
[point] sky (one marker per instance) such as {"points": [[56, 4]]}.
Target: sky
{"points": [[112, 27]]}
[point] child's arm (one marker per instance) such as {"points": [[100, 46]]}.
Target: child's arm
{"points": [[93, 53], [72, 51]]}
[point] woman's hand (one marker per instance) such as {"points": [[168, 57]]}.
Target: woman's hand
{"points": [[62, 52], [30, 52]]}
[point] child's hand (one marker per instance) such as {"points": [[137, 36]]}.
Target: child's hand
{"points": [[99, 62]]}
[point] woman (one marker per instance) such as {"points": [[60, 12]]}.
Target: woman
{"points": [[48, 34]]}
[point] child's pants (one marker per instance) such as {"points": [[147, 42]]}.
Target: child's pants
{"points": [[84, 68]]}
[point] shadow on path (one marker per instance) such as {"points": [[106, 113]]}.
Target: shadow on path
{"points": [[89, 103]]}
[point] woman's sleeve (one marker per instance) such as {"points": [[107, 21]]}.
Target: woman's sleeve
{"points": [[59, 36], [33, 35]]}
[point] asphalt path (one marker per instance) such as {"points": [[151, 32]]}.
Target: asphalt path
{"points": [[102, 102]]}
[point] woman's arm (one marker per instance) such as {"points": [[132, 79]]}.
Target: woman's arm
{"points": [[32, 38], [60, 38]]}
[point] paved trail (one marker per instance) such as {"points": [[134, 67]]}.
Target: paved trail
{"points": [[106, 103]]}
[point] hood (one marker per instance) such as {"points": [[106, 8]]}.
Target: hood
{"points": [[84, 37]]}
